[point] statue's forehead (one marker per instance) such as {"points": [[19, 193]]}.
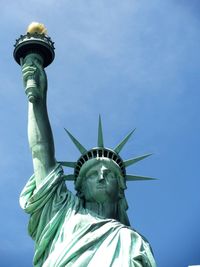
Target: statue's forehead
{"points": [[99, 165], [96, 163]]}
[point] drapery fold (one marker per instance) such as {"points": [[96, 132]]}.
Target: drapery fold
{"points": [[66, 234]]}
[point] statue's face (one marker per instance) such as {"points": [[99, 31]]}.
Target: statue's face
{"points": [[100, 182]]}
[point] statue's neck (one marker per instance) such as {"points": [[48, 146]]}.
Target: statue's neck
{"points": [[106, 210]]}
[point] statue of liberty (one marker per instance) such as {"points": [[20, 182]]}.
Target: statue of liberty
{"points": [[91, 228]]}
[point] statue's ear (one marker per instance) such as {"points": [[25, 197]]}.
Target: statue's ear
{"points": [[80, 194], [79, 186], [83, 187], [78, 183]]}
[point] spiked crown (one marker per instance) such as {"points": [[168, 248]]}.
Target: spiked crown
{"points": [[99, 152]]}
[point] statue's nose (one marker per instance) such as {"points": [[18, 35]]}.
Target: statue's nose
{"points": [[101, 177]]}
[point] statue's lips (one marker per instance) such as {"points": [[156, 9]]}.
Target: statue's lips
{"points": [[101, 186]]}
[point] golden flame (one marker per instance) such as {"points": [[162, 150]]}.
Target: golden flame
{"points": [[36, 27]]}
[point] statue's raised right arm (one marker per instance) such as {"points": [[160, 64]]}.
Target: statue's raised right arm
{"points": [[39, 130]]}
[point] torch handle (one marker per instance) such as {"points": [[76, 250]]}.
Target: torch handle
{"points": [[31, 86]]}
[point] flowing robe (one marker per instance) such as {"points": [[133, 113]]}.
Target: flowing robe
{"points": [[66, 234]]}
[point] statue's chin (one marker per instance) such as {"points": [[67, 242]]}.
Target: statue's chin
{"points": [[102, 197]]}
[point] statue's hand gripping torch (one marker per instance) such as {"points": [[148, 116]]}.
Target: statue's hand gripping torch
{"points": [[34, 51]]}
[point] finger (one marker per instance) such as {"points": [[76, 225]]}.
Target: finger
{"points": [[27, 69], [28, 73]]}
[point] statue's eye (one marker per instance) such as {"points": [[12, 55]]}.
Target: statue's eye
{"points": [[92, 174], [109, 174]]}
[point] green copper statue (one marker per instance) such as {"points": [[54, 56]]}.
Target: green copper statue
{"points": [[90, 229]]}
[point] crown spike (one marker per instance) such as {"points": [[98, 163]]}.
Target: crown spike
{"points": [[130, 177], [68, 164], [119, 147], [76, 142], [100, 134], [134, 160]]}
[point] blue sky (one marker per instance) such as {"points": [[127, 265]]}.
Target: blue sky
{"points": [[137, 64]]}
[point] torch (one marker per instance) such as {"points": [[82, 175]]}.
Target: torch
{"points": [[37, 42]]}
